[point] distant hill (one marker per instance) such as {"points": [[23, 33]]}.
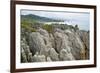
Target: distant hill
{"points": [[32, 17]]}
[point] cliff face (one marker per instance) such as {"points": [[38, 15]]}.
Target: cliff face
{"points": [[58, 45]]}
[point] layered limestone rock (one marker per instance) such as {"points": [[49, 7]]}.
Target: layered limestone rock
{"points": [[53, 54], [25, 52], [36, 43], [65, 55], [60, 45], [39, 58]]}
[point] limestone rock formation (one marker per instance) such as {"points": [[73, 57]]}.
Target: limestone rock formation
{"points": [[65, 55], [25, 52], [60, 45], [36, 43], [39, 58], [53, 54]]}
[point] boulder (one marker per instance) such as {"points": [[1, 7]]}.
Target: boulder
{"points": [[39, 58], [23, 56], [49, 59], [36, 43], [65, 55], [84, 36], [70, 41], [53, 54], [25, 52]]}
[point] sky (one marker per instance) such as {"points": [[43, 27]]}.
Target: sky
{"points": [[72, 18]]}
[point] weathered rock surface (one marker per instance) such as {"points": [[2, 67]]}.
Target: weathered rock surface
{"points": [[53, 54], [84, 36], [49, 59], [61, 45], [36, 43], [25, 52], [65, 55], [39, 58]]}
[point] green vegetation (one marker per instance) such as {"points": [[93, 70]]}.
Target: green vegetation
{"points": [[32, 22], [47, 27], [63, 26], [27, 26], [32, 26]]}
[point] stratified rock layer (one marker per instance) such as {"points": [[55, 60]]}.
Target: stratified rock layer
{"points": [[60, 45]]}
